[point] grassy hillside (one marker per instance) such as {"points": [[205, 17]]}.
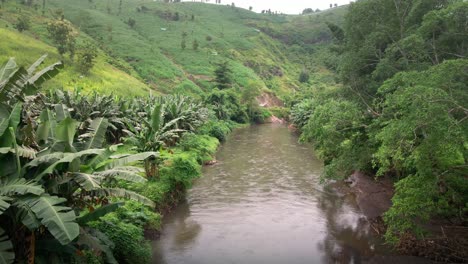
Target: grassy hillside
{"points": [[263, 50], [26, 47]]}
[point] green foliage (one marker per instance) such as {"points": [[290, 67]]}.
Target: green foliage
{"points": [[226, 105], [18, 82], [402, 110], [63, 35], [337, 129], [304, 76], [86, 54], [23, 23], [180, 170], [216, 129], [301, 112], [129, 241], [223, 76], [204, 146], [195, 45]]}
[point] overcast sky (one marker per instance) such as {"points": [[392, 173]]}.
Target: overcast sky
{"points": [[285, 6]]}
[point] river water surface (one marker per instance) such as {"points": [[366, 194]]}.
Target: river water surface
{"points": [[263, 203]]}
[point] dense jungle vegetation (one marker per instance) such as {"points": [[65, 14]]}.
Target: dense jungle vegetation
{"points": [[402, 109], [92, 153]]}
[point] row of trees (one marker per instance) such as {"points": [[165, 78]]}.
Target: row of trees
{"points": [[403, 109]]}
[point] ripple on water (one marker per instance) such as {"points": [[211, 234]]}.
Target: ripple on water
{"points": [[262, 203]]}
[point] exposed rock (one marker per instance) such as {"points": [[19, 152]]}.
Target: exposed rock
{"points": [[275, 120], [372, 196], [269, 100], [211, 162]]}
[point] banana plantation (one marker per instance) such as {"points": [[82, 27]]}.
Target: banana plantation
{"points": [[68, 161]]}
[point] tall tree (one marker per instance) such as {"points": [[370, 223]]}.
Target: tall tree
{"points": [[223, 75]]}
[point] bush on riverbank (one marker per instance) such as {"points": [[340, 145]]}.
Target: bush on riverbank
{"points": [[404, 115]]}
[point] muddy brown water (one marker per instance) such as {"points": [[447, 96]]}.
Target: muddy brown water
{"points": [[263, 203]]}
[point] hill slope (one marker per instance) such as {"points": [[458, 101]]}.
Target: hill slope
{"points": [[264, 50]]}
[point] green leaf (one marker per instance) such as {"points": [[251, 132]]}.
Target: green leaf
{"points": [[122, 193], [4, 203], [46, 159], [99, 127], [129, 159], [98, 213], [61, 111], [23, 152], [67, 158], [65, 132], [47, 126], [21, 187], [36, 64], [104, 156], [45, 74], [87, 181], [99, 242], [3, 125], [15, 115], [7, 255], [122, 175], [156, 117], [8, 69], [59, 220]]}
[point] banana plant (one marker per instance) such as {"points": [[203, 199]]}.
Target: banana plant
{"points": [[86, 108], [154, 134], [25, 202], [71, 165], [18, 82]]}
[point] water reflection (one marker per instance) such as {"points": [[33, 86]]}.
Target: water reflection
{"points": [[263, 204]]}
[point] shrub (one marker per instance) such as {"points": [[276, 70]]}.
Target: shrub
{"points": [[180, 170], [138, 214], [204, 146], [157, 191], [304, 76], [217, 129], [87, 54], [23, 24], [129, 241]]}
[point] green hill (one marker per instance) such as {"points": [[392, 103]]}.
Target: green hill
{"points": [[264, 50]]}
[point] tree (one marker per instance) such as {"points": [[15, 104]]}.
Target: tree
{"points": [[23, 23], [131, 22], [223, 75], [87, 54], [250, 8], [183, 44], [63, 35], [43, 7], [195, 44], [307, 11], [304, 76]]}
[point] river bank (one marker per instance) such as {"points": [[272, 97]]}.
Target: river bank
{"points": [[446, 243], [263, 202]]}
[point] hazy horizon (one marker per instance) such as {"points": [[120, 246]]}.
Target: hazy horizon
{"points": [[282, 6]]}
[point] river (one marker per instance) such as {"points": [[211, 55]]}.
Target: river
{"points": [[263, 203]]}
